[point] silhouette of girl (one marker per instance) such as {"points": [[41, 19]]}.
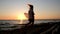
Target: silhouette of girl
{"points": [[31, 14]]}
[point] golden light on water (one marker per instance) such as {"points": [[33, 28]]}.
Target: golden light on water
{"points": [[21, 17]]}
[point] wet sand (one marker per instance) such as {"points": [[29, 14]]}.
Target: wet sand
{"points": [[42, 28]]}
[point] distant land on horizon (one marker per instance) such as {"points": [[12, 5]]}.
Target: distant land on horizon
{"points": [[27, 19]]}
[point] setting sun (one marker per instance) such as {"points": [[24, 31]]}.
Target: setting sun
{"points": [[21, 17]]}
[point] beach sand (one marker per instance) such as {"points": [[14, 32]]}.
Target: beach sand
{"points": [[42, 28]]}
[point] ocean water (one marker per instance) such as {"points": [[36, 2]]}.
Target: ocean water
{"points": [[14, 24]]}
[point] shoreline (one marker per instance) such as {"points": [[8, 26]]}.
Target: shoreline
{"points": [[49, 27]]}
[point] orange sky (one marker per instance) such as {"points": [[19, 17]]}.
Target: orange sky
{"points": [[43, 9]]}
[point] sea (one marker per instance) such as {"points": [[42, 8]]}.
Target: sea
{"points": [[16, 24]]}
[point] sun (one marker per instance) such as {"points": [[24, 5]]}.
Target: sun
{"points": [[21, 17]]}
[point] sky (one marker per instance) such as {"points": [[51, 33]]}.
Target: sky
{"points": [[43, 9]]}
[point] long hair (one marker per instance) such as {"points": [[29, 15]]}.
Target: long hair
{"points": [[31, 6]]}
